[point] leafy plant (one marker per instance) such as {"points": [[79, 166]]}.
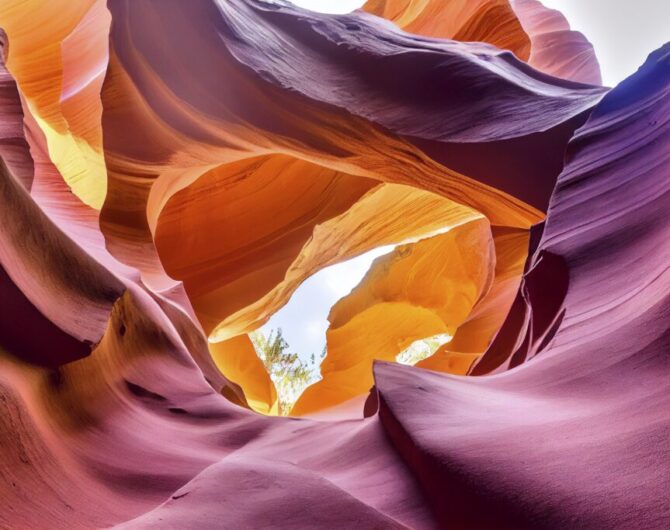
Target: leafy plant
{"points": [[290, 374]]}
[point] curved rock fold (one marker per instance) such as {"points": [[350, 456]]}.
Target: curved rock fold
{"points": [[172, 171]]}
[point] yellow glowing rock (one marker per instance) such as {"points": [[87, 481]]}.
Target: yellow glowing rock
{"points": [[59, 61], [161, 155], [387, 214], [536, 34], [242, 194], [232, 236], [237, 359], [474, 336], [418, 290], [246, 235], [492, 21]]}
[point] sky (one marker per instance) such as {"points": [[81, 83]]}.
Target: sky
{"points": [[304, 319], [623, 33]]}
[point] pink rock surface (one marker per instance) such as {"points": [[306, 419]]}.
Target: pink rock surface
{"points": [[112, 412]]}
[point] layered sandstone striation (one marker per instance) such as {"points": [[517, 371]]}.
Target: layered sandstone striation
{"points": [[172, 172]]}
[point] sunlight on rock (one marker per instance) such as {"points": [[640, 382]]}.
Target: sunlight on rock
{"points": [[292, 343], [422, 349], [304, 319], [168, 296]]}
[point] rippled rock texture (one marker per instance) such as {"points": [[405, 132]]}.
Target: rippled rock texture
{"points": [[173, 170]]}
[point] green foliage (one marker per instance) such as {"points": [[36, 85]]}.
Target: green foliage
{"points": [[290, 374]]}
